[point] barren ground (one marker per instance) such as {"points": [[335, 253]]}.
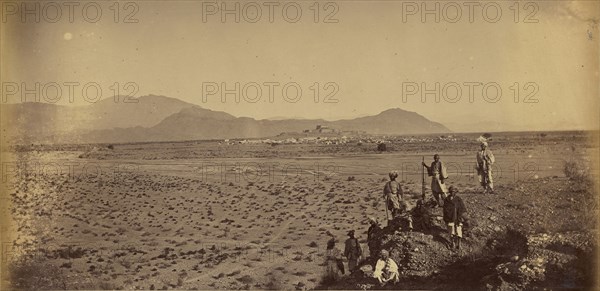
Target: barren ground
{"points": [[210, 216]]}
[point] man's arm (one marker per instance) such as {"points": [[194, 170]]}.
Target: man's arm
{"points": [[358, 249], [491, 158], [379, 266], [393, 266], [400, 191], [346, 249], [461, 209], [443, 172]]}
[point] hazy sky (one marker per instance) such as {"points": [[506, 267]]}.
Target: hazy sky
{"points": [[372, 54]]}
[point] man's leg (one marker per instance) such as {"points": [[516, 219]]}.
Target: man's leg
{"points": [[490, 181], [482, 180], [458, 235], [436, 195], [351, 264], [451, 233], [395, 278]]}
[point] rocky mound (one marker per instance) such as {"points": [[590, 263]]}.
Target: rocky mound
{"points": [[502, 249]]}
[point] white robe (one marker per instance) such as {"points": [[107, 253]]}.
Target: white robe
{"points": [[392, 270]]}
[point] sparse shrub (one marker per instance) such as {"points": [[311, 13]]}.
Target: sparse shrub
{"points": [[382, 147], [111, 147], [245, 279], [275, 282], [574, 170], [300, 273]]}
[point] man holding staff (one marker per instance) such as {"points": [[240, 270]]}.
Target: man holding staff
{"points": [[437, 172]]}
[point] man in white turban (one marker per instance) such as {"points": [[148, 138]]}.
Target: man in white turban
{"points": [[485, 160], [392, 192]]}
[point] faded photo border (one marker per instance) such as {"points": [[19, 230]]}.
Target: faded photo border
{"points": [[304, 101]]}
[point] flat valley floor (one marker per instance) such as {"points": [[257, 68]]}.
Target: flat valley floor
{"points": [[210, 215]]}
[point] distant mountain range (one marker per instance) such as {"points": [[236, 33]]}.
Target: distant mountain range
{"points": [[160, 118]]}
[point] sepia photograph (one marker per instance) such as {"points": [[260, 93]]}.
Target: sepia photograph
{"points": [[299, 145]]}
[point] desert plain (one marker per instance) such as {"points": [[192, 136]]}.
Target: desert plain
{"points": [[228, 215]]}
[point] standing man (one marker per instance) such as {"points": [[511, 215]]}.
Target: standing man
{"points": [[373, 241], [454, 209], [485, 159], [437, 172], [352, 251], [333, 261], [392, 192]]}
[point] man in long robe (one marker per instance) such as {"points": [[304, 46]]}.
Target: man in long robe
{"points": [[454, 211], [437, 172], [333, 261], [392, 192], [485, 160], [352, 251], [373, 240]]}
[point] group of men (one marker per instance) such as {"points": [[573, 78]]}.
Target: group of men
{"points": [[453, 211], [386, 269], [437, 171], [334, 259]]}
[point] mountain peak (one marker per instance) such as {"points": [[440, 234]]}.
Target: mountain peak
{"points": [[396, 110]]}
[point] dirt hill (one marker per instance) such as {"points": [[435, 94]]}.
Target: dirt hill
{"points": [[522, 238]]}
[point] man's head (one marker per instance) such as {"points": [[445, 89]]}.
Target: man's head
{"points": [[385, 254], [452, 190], [403, 206], [436, 157], [393, 175], [351, 233], [373, 220], [330, 244]]}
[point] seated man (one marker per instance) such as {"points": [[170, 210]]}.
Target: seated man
{"points": [[403, 219], [386, 269], [421, 216]]}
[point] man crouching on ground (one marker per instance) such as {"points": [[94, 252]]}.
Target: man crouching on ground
{"points": [[386, 269]]}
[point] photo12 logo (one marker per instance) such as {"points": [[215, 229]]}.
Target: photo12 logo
{"points": [[69, 11], [53, 92], [67, 171], [265, 171], [269, 11], [469, 11], [454, 92], [253, 92]]}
